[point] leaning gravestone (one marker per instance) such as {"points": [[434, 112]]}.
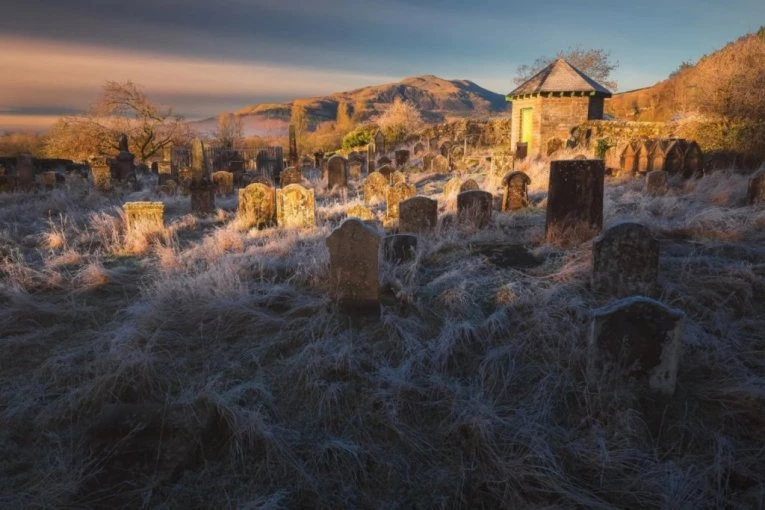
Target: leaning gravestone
{"points": [[638, 337], [144, 216], [257, 205], [375, 188], [417, 215], [756, 189], [402, 157], [224, 182], [398, 248], [515, 193], [475, 207], [625, 261], [469, 185], [440, 164], [397, 177], [575, 199], [656, 182], [337, 172], [354, 265], [396, 194], [202, 196], [360, 212], [291, 175], [295, 207]]}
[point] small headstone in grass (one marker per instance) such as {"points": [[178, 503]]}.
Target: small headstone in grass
{"points": [[475, 207], [381, 162], [427, 162], [440, 164], [375, 188], [637, 337], [756, 189], [385, 171], [295, 207], [402, 157], [337, 172], [48, 179], [397, 177], [361, 212], [419, 149], [290, 175], [575, 200], [25, 172], [224, 182], [399, 248], [417, 215], [355, 170], [515, 193], [656, 182], [202, 196], [469, 185], [354, 250], [625, 261], [397, 194], [257, 205], [144, 215]]}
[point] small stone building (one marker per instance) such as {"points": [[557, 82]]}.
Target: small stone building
{"points": [[552, 102]]}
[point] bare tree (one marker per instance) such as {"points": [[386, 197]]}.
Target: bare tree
{"points": [[595, 63], [229, 129]]}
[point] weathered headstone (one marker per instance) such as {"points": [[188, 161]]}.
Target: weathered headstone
{"points": [[224, 182], [383, 161], [515, 194], [756, 188], [360, 212], [625, 261], [440, 164], [398, 248], [144, 216], [638, 337], [575, 199], [25, 172], [402, 157], [397, 194], [122, 168], [452, 187], [202, 196], [370, 158], [155, 167], [257, 205], [397, 177], [102, 177], [354, 251], [306, 162], [355, 170], [475, 207], [385, 171], [48, 179], [295, 207], [293, 151], [337, 172], [656, 182], [375, 188], [445, 148], [419, 149], [417, 215], [427, 162], [380, 143], [291, 175], [469, 185], [198, 161]]}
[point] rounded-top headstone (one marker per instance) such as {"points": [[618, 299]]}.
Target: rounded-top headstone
{"points": [[417, 215], [625, 261], [475, 207], [469, 185], [515, 193], [575, 199], [354, 249]]}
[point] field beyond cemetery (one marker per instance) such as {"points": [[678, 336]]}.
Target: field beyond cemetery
{"points": [[205, 365]]}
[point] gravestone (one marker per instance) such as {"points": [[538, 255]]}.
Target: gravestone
{"points": [[291, 175], [637, 337], [383, 161], [402, 158], [155, 167], [419, 149], [202, 196], [355, 170], [380, 144], [293, 151], [386, 171], [370, 159], [445, 148], [144, 216], [306, 162], [656, 183], [417, 215], [25, 172], [295, 207], [354, 250], [122, 168], [452, 187], [427, 162], [575, 199], [515, 194], [756, 188], [257, 205], [440, 165], [433, 144], [198, 162], [469, 185], [396, 195], [399, 248], [397, 177], [337, 172], [375, 188], [48, 179], [102, 177], [318, 157], [475, 207], [224, 183], [625, 261], [360, 212]]}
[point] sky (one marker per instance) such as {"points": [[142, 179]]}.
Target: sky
{"points": [[202, 57]]}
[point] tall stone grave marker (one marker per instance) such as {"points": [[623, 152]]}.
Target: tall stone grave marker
{"points": [[417, 215], [575, 199], [515, 194], [354, 250]]}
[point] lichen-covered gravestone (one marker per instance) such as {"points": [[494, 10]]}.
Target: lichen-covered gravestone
{"points": [[144, 216], [396, 195], [224, 182], [402, 158], [475, 207], [257, 205], [440, 164], [198, 160], [354, 250], [417, 215], [295, 207], [397, 177], [375, 188], [625, 261], [469, 185], [515, 191], [656, 182], [337, 172], [452, 187], [756, 190], [291, 175], [575, 200], [639, 338], [360, 212], [399, 248], [427, 162], [203, 197]]}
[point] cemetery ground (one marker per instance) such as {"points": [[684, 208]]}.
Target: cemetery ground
{"points": [[218, 356]]}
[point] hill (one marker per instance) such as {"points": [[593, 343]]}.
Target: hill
{"points": [[436, 98]]}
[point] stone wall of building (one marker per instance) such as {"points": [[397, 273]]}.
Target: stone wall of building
{"points": [[559, 116]]}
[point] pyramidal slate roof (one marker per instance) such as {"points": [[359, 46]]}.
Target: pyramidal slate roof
{"points": [[560, 76]]}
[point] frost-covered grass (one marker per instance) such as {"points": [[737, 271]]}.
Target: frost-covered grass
{"points": [[468, 392]]}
